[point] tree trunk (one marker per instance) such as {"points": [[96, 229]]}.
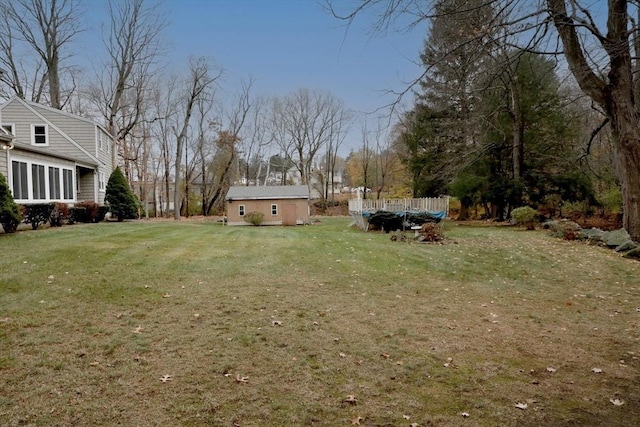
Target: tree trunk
{"points": [[518, 129]]}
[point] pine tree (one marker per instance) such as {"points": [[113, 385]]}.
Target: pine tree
{"points": [[9, 213], [119, 196]]}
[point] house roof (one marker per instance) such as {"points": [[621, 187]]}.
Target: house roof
{"points": [[268, 192], [50, 153]]}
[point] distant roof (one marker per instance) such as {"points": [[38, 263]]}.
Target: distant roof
{"points": [[268, 192]]}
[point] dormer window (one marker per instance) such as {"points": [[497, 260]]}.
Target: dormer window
{"points": [[39, 135]]}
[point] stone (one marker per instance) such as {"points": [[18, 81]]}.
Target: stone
{"points": [[634, 253], [627, 246], [615, 238]]}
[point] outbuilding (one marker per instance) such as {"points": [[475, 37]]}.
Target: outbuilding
{"points": [[280, 204]]}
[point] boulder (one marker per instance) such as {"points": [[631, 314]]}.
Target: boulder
{"points": [[615, 238], [593, 235], [634, 253], [627, 246]]}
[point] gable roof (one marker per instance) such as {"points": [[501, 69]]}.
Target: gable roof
{"points": [[268, 192], [33, 107]]}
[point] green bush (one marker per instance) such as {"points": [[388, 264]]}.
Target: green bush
{"points": [[37, 214], [120, 198], [525, 216], [254, 218], [9, 212]]}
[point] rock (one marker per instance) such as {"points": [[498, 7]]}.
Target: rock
{"points": [[627, 246], [616, 238], [594, 235], [634, 253]]}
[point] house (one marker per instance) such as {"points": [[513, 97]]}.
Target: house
{"points": [[56, 156], [280, 204]]}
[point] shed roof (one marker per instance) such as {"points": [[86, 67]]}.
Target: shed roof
{"points": [[268, 192]]}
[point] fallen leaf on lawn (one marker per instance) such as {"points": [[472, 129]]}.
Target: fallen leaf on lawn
{"points": [[351, 399], [522, 406], [166, 378], [406, 417], [96, 363], [596, 370], [240, 379], [465, 415], [550, 369], [51, 277], [343, 355], [356, 421], [166, 295], [414, 425], [138, 330], [385, 355], [617, 402], [276, 323], [4, 319]]}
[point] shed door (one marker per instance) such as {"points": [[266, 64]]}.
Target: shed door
{"points": [[289, 214]]}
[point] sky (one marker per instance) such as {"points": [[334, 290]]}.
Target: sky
{"points": [[290, 44]]}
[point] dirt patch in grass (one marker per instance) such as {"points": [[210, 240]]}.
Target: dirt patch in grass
{"points": [[193, 323]]}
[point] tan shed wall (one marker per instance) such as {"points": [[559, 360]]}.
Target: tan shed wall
{"points": [[264, 206]]}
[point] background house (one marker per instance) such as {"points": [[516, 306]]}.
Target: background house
{"points": [[280, 204], [56, 156]]}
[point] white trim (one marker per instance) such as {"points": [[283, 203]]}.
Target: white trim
{"points": [[47, 165], [274, 205], [242, 210], [33, 134], [13, 128], [31, 108]]}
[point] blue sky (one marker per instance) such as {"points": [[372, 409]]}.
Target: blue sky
{"points": [[289, 44]]}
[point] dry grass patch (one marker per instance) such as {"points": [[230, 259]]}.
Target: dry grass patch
{"points": [[192, 323]]}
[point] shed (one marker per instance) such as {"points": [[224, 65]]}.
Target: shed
{"points": [[280, 204]]}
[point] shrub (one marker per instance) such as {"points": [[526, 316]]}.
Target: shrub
{"points": [[387, 221], [37, 214], [254, 218], [9, 212], [525, 216], [59, 214], [120, 198]]}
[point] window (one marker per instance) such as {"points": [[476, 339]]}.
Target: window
{"points": [[101, 181], [54, 183], [100, 141], [20, 180], [67, 183], [37, 182], [274, 209], [9, 128], [39, 135], [241, 210]]}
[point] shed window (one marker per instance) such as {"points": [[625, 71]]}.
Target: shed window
{"points": [[241, 210], [274, 209]]}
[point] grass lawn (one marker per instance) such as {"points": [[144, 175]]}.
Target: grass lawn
{"points": [[192, 323]]}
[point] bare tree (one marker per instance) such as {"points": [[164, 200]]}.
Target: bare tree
{"points": [[305, 120], [197, 86], [46, 28], [132, 41]]}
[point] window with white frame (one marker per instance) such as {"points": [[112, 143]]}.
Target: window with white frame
{"points": [[67, 184], [100, 140], [274, 209], [9, 127], [31, 181], [54, 183], [38, 185], [39, 135], [102, 178], [241, 210], [20, 180]]}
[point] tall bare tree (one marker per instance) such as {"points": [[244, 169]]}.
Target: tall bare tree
{"points": [[132, 41], [197, 86], [46, 29]]}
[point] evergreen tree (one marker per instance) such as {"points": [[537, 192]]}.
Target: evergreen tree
{"points": [[119, 196], [9, 212]]}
